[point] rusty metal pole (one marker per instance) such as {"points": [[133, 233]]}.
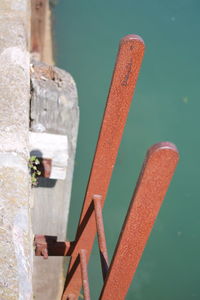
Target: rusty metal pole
{"points": [[122, 87], [101, 235], [38, 11], [84, 274], [150, 191], [71, 297]]}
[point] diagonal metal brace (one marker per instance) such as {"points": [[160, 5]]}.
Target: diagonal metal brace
{"points": [[46, 246]]}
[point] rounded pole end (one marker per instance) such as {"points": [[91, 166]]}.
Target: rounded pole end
{"points": [[132, 37]]}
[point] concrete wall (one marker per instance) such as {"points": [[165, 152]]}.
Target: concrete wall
{"points": [[54, 111], [15, 229], [54, 118]]}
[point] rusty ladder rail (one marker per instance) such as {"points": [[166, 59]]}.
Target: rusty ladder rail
{"points": [[153, 182]]}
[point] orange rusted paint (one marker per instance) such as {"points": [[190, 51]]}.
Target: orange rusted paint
{"points": [[71, 297], [123, 84], [38, 12], [101, 235], [154, 180], [40, 244], [84, 274], [46, 246], [44, 167]]}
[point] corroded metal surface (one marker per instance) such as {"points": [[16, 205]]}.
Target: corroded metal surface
{"points": [[38, 11], [124, 79], [71, 297], [41, 246], [44, 167], [155, 177], [48, 246], [84, 274], [101, 235]]}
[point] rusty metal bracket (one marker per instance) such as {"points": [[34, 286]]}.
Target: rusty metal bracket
{"points": [[40, 244], [45, 167], [49, 246]]}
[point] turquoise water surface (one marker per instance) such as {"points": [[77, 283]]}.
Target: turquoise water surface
{"points": [[165, 108]]}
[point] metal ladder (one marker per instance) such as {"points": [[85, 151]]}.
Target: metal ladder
{"points": [[156, 174]]}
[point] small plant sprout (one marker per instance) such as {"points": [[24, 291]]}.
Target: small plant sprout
{"points": [[33, 166]]}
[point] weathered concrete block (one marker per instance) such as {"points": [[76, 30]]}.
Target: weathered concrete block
{"points": [[54, 104], [54, 110], [14, 87], [53, 147], [15, 5], [15, 229]]}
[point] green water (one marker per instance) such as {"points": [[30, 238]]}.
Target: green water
{"points": [[165, 107]]}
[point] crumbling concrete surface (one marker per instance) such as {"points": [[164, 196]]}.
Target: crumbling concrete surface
{"points": [[15, 229]]}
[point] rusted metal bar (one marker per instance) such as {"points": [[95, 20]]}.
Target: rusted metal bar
{"points": [[48, 246], [101, 235], [38, 11], [84, 273], [150, 191], [71, 297], [44, 167], [41, 246], [123, 83]]}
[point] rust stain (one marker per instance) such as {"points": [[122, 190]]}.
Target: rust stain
{"points": [[84, 274], [128, 67], [38, 11], [45, 167], [101, 235]]}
